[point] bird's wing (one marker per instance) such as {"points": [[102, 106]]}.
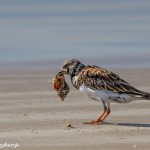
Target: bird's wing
{"points": [[101, 79]]}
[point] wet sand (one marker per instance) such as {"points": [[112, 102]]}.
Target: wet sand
{"points": [[32, 115]]}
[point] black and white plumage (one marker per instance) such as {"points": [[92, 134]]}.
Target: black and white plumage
{"points": [[102, 85]]}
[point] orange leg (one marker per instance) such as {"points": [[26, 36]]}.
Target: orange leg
{"points": [[106, 114], [102, 116]]}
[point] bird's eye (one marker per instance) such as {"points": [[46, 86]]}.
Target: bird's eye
{"points": [[65, 66]]}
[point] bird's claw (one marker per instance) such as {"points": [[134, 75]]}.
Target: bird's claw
{"points": [[94, 122]]}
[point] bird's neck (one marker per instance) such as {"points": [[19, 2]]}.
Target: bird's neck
{"points": [[76, 69]]}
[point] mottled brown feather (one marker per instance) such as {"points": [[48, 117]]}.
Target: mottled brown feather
{"points": [[98, 78]]}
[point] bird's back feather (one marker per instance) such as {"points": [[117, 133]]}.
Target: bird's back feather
{"points": [[97, 78]]}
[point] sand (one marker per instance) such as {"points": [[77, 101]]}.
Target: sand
{"points": [[33, 116]]}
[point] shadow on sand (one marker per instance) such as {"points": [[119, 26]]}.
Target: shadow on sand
{"points": [[130, 124]]}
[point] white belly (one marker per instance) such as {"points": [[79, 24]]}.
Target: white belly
{"points": [[106, 96]]}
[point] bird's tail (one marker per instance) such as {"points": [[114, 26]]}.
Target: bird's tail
{"points": [[142, 94], [139, 94], [146, 96]]}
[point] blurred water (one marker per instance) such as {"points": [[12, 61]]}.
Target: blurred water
{"points": [[46, 32]]}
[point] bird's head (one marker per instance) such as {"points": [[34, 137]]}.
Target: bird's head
{"points": [[71, 67]]}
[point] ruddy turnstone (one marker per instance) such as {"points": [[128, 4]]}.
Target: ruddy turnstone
{"points": [[102, 85]]}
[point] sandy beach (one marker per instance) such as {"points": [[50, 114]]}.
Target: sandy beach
{"points": [[32, 115], [37, 36]]}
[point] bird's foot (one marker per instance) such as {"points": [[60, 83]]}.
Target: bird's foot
{"points": [[94, 122]]}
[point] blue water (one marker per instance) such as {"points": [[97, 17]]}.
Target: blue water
{"points": [[46, 32]]}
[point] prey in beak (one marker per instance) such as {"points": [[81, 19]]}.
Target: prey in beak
{"points": [[60, 85]]}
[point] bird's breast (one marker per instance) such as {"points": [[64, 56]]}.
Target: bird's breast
{"points": [[90, 92], [77, 82]]}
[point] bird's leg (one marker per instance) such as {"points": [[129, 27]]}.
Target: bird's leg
{"points": [[107, 112], [100, 117]]}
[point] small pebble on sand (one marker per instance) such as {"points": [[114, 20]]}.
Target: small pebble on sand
{"points": [[69, 125]]}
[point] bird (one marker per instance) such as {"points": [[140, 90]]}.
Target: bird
{"points": [[102, 85]]}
